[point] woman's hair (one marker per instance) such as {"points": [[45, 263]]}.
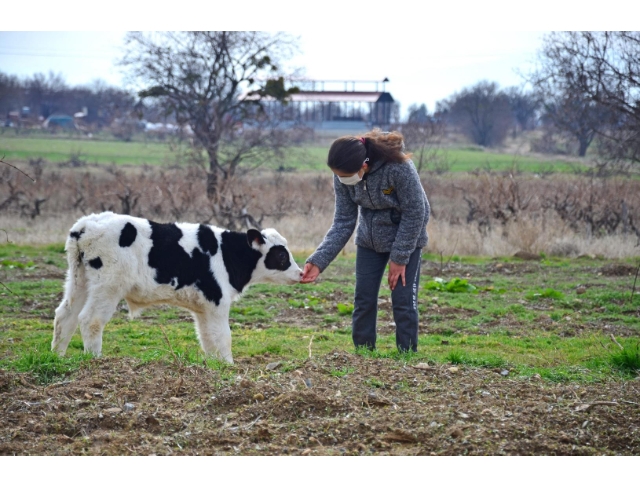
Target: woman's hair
{"points": [[347, 153]]}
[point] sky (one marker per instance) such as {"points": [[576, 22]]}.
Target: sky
{"points": [[428, 52], [421, 68]]}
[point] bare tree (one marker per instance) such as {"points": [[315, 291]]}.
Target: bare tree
{"points": [[216, 82], [606, 70], [423, 135], [11, 94], [524, 107], [589, 83], [482, 112], [575, 115], [418, 114], [46, 93]]}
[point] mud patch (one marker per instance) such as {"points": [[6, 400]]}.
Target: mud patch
{"points": [[512, 268], [379, 407], [617, 270]]}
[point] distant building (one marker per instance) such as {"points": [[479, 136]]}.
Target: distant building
{"points": [[324, 108], [60, 121]]}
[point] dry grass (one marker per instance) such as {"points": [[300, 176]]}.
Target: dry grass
{"points": [[49, 229], [459, 239], [525, 235], [482, 214]]}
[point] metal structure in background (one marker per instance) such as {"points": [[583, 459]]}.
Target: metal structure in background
{"points": [[323, 106]]}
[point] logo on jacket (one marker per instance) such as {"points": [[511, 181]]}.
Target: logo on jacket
{"points": [[388, 191]]}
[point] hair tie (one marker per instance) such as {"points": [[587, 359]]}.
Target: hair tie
{"points": [[363, 141]]}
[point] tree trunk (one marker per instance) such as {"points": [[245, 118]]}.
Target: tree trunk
{"points": [[212, 184], [584, 144], [212, 176]]}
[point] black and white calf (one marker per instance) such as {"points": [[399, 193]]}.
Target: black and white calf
{"points": [[198, 267]]}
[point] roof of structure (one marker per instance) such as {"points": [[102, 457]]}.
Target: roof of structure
{"points": [[342, 96], [337, 96]]}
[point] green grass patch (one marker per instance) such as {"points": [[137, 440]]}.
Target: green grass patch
{"points": [[345, 309], [529, 322], [88, 150], [462, 357], [12, 264], [466, 159], [341, 371], [310, 157], [454, 285], [47, 366], [628, 359], [545, 294]]}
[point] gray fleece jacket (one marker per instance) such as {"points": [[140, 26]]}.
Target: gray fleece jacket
{"points": [[392, 210]]}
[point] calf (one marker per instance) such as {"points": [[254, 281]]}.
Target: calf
{"points": [[198, 267]]}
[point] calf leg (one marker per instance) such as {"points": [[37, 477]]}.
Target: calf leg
{"points": [[214, 333], [66, 319], [95, 314]]}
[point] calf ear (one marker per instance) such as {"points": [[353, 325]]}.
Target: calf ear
{"points": [[254, 236]]}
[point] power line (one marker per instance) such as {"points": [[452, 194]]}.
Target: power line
{"points": [[72, 56]]}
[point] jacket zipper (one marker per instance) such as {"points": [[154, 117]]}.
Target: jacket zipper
{"points": [[371, 222]]}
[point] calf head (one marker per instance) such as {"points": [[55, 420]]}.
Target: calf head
{"points": [[276, 264]]}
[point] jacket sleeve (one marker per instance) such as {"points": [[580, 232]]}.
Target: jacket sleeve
{"points": [[344, 223], [414, 208]]}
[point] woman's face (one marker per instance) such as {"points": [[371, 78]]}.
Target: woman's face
{"points": [[348, 178]]}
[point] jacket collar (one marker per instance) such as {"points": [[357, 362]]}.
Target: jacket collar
{"points": [[373, 168]]}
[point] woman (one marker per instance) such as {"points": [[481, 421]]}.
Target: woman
{"points": [[374, 178]]}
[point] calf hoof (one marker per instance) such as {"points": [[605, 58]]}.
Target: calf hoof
{"points": [[95, 353]]}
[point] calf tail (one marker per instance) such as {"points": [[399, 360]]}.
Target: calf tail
{"points": [[75, 295], [76, 273]]}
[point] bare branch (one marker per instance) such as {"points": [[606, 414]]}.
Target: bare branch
{"points": [[203, 79], [17, 169]]}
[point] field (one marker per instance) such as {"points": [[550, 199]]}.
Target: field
{"points": [[310, 157], [516, 357], [531, 355]]}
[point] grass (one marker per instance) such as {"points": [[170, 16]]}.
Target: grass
{"points": [[47, 366], [91, 151], [303, 158], [627, 359], [545, 293], [471, 159], [341, 371], [529, 321]]}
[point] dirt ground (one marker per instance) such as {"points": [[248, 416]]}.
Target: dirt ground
{"points": [[336, 404], [379, 407]]}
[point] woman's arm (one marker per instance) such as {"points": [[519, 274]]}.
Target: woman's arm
{"points": [[414, 207], [344, 223]]}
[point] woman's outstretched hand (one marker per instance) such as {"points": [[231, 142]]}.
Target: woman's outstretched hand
{"points": [[396, 271], [309, 273]]}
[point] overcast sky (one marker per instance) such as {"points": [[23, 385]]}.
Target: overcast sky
{"points": [[427, 53]]}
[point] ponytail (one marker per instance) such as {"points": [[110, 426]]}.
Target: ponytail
{"points": [[385, 146], [347, 153]]}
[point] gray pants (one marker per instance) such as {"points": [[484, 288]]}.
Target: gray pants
{"points": [[370, 267]]}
